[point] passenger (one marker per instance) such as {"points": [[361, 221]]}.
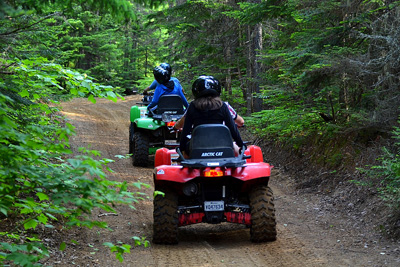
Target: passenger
{"points": [[167, 85], [239, 121], [207, 108]]}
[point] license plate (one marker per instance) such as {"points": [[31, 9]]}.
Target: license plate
{"points": [[213, 205], [174, 157]]}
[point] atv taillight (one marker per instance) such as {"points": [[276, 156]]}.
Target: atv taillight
{"points": [[170, 123], [213, 173]]}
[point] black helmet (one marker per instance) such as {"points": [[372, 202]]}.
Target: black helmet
{"points": [[162, 73], [166, 66], [206, 86]]}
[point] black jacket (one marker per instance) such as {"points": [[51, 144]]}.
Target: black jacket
{"points": [[195, 117]]}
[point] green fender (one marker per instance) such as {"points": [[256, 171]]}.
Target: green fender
{"points": [[148, 123], [136, 111], [138, 116]]}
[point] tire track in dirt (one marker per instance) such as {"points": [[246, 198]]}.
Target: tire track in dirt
{"points": [[301, 242]]}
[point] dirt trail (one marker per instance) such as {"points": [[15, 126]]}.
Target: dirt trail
{"points": [[308, 234]]}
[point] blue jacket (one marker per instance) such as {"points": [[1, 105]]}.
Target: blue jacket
{"points": [[161, 89]]}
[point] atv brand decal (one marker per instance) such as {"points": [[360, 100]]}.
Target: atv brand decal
{"points": [[160, 171], [212, 154], [150, 126]]}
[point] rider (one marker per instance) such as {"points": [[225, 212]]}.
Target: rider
{"points": [[154, 84], [207, 108], [167, 85]]}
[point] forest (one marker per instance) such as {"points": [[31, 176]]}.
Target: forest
{"points": [[317, 78]]}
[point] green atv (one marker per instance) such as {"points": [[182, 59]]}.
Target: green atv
{"points": [[149, 131]]}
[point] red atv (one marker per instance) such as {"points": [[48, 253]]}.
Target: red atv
{"points": [[213, 186]]}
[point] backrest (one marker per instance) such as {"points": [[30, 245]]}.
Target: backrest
{"points": [[211, 141], [170, 104]]}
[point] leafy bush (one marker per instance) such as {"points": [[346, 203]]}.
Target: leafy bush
{"points": [[386, 176], [285, 125], [41, 183]]}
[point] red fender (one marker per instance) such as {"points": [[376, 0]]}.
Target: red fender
{"points": [[181, 174], [167, 170], [255, 152], [163, 155]]}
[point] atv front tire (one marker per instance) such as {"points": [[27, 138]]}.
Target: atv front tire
{"points": [[165, 218], [131, 135], [140, 149], [263, 222]]}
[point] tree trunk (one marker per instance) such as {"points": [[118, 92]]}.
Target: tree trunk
{"points": [[228, 85], [249, 74], [254, 35], [257, 67], [254, 39], [146, 63]]}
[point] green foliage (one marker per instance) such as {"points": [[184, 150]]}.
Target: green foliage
{"points": [[120, 9], [110, 47], [386, 176], [121, 248], [286, 125], [190, 22], [37, 78], [41, 184]]}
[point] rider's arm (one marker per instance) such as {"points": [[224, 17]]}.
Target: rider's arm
{"points": [[180, 92], [236, 117], [185, 102], [232, 127], [187, 128], [152, 86], [239, 121], [179, 123], [156, 97]]}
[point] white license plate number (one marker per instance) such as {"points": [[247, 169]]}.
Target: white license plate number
{"points": [[213, 205]]}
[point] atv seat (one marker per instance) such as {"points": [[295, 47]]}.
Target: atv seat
{"points": [[211, 141], [169, 105], [212, 146]]}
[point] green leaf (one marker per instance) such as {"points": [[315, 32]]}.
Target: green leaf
{"points": [[92, 99], [111, 96], [24, 93], [4, 211], [63, 245], [87, 84], [43, 219], [42, 196], [30, 224]]}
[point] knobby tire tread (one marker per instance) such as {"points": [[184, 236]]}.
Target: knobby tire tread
{"points": [[140, 155], [165, 216], [263, 221], [131, 134]]}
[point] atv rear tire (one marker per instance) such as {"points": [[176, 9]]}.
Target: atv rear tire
{"points": [[140, 149], [131, 135], [263, 222], [165, 218]]}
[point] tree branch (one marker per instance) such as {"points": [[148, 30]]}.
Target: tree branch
{"points": [[29, 26]]}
